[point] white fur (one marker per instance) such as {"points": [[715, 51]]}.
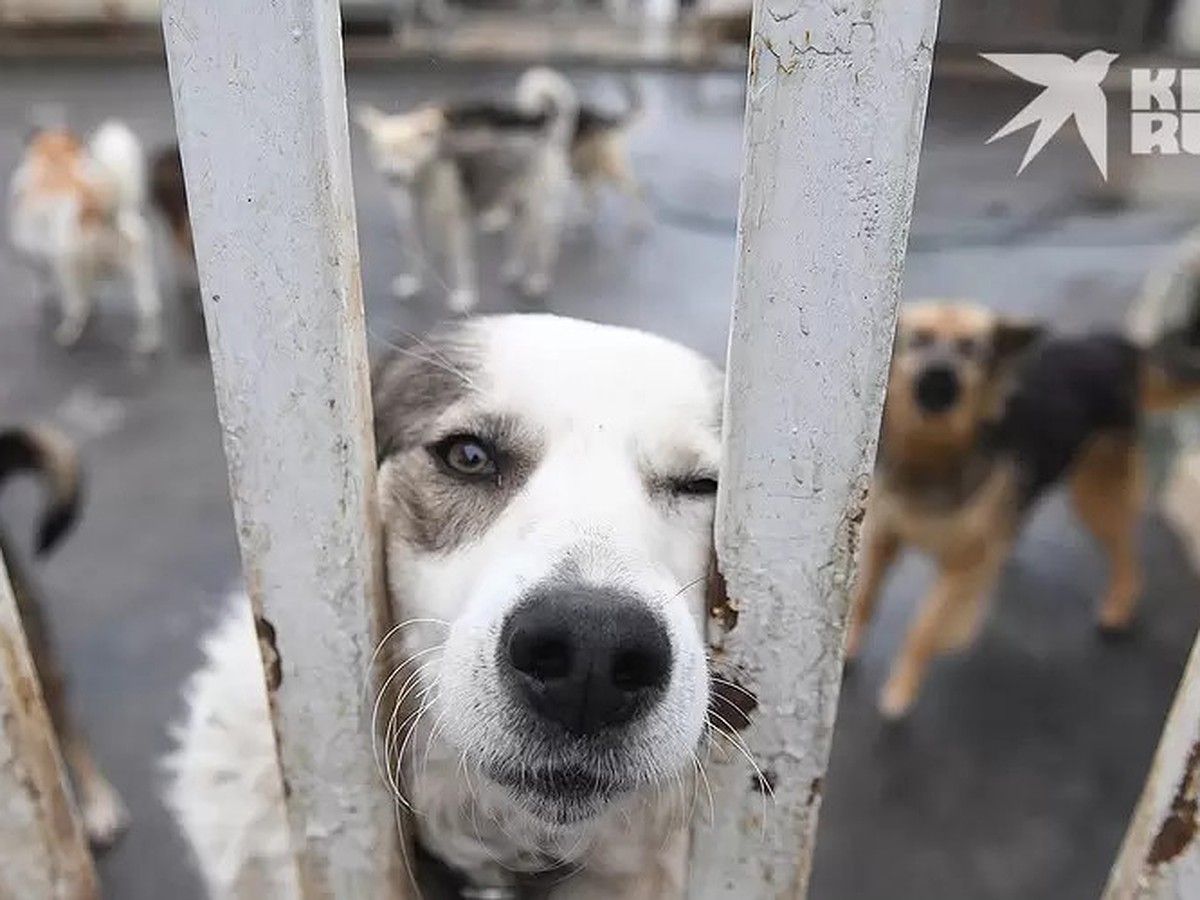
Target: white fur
{"points": [[47, 229], [610, 408], [224, 785]]}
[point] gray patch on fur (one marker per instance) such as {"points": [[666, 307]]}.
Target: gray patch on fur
{"points": [[424, 504]]}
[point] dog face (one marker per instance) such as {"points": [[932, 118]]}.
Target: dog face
{"points": [[949, 366], [547, 489], [401, 145]]}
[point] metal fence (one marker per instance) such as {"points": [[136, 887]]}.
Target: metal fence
{"points": [[824, 221]]}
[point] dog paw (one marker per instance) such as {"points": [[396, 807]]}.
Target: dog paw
{"points": [[1115, 632], [406, 286], [495, 220], [536, 286], [147, 343], [68, 333], [462, 301], [105, 817], [895, 700]]}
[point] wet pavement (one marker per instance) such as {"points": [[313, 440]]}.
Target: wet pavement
{"points": [[1021, 763]]}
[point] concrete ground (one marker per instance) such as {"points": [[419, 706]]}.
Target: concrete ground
{"points": [[1019, 767]]}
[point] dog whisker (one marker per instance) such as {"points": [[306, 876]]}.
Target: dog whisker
{"points": [[767, 791], [436, 363], [395, 727], [392, 632], [396, 781], [383, 691]]}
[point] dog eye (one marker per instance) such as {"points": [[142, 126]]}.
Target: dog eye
{"points": [[467, 455], [694, 487], [967, 346], [920, 339]]}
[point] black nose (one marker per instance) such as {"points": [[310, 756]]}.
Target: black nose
{"points": [[586, 659], [937, 388]]}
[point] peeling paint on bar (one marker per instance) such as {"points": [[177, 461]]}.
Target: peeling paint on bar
{"points": [[45, 854], [835, 114], [1160, 857]]}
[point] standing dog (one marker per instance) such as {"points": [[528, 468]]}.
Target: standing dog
{"points": [[449, 165], [562, 540], [51, 456], [76, 213], [983, 415]]}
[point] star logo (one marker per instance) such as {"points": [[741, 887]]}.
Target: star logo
{"points": [[1072, 91]]}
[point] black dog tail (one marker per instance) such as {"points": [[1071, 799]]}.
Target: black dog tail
{"points": [[50, 454]]}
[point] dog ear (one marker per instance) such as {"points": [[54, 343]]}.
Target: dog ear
{"points": [[1013, 336]]}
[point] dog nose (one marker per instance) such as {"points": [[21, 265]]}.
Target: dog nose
{"points": [[937, 388], [587, 659]]}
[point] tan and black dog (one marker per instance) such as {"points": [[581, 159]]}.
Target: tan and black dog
{"points": [[983, 415], [49, 454]]}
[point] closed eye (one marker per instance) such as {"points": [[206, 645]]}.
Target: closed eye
{"points": [[693, 486]]}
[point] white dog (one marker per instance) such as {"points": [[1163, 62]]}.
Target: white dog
{"points": [[546, 491], [77, 213]]}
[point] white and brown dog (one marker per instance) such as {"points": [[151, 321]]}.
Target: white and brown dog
{"points": [[562, 539], [76, 213]]}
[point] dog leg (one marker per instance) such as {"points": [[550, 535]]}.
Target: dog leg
{"points": [[963, 580], [408, 283], [73, 286], [543, 224], [879, 550], [615, 165], [142, 277], [461, 257], [104, 815], [1107, 491]]}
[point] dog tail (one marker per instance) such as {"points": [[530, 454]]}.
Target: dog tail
{"points": [[1171, 370], [543, 90], [50, 454], [118, 152]]}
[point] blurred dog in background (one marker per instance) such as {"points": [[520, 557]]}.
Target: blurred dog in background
{"points": [[76, 214], [983, 415], [449, 166], [51, 456]]}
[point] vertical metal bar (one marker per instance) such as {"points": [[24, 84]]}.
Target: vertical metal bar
{"points": [[45, 853], [835, 113], [1160, 857], [260, 106]]}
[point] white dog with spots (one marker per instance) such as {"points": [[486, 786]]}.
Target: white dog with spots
{"points": [[546, 491]]}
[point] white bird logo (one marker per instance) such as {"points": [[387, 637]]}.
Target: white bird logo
{"points": [[1072, 90]]}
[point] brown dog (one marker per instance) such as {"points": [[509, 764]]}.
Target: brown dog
{"points": [[51, 455], [984, 414]]}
